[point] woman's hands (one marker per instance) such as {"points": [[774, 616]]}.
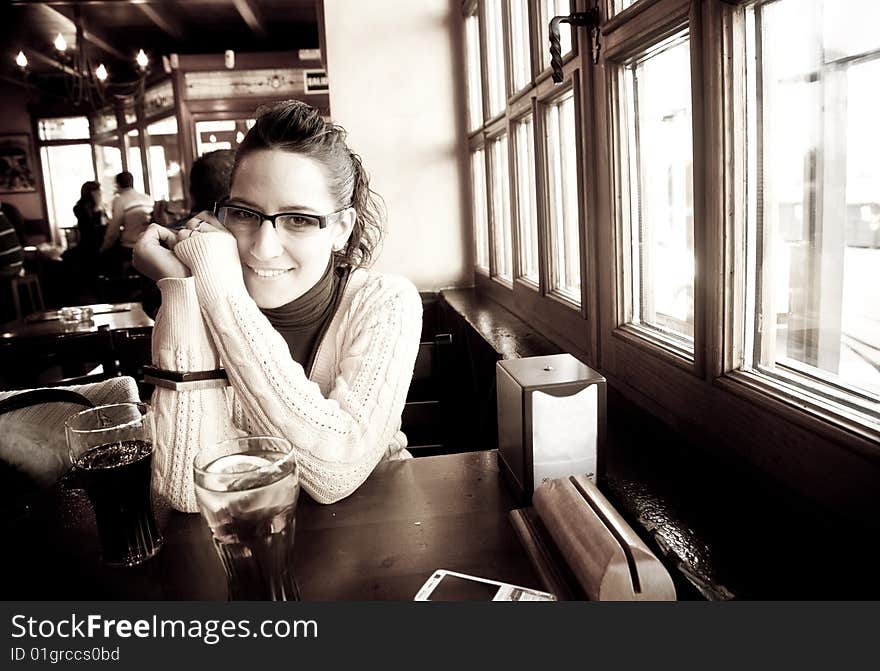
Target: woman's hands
{"points": [[153, 254], [154, 251]]}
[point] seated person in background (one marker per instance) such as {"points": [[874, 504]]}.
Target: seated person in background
{"points": [[11, 265], [14, 215], [317, 348], [90, 218], [131, 213], [208, 185], [81, 261]]}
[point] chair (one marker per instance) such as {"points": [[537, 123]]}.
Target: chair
{"points": [[425, 420], [31, 283]]}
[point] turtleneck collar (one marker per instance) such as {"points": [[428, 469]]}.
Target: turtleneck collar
{"points": [[310, 309]]}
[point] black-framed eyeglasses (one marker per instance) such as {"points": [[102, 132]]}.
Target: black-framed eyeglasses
{"points": [[241, 219]]}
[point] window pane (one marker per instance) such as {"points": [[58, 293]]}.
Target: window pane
{"points": [[657, 121], [133, 151], [214, 135], [561, 148], [105, 121], [495, 58], [166, 182], [519, 43], [481, 222], [526, 206], [109, 160], [64, 128], [814, 191], [620, 5], [474, 87], [501, 210], [65, 168], [549, 9]]}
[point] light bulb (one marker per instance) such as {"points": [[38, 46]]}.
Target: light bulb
{"points": [[61, 43], [212, 138], [239, 136], [101, 72], [21, 60], [142, 60]]}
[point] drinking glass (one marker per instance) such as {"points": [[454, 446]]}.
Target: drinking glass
{"points": [[247, 490], [111, 448]]}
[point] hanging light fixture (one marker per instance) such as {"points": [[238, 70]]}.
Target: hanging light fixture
{"points": [[142, 60], [86, 80]]}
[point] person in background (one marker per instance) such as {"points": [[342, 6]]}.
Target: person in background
{"points": [[90, 218], [11, 264], [131, 214], [81, 260], [15, 218], [208, 185], [273, 287]]}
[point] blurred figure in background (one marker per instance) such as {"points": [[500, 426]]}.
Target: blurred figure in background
{"points": [[208, 184], [82, 261], [131, 214], [11, 265]]}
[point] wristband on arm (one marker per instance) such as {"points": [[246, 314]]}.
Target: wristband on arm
{"points": [[185, 380]]}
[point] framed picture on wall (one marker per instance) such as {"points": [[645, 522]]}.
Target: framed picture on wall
{"points": [[17, 171]]}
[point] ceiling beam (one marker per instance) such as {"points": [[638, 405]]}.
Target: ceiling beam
{"points": [[88, 35], [52, 62], [165, 26], [251, 17]]}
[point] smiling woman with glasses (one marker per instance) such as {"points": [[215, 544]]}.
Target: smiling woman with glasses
{"points": [[272, 286]]}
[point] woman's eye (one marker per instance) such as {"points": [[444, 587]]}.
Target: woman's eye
{"points": [[236, 216], [296, 222]]}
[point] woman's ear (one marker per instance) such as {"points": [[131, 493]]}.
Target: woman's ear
{"points": [[344, 226]]}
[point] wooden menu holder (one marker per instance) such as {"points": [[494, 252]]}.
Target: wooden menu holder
{"points": [[574, 535]]}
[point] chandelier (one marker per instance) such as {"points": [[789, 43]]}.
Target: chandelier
{"points": [[88, 82]]}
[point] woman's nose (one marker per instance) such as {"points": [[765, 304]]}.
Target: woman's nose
{"points": [[266, 243]]}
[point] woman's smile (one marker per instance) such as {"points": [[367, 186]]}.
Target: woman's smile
{"points": [[269, 273]]}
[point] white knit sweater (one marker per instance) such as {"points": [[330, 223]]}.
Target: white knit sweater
{"points": [[342, 421]]}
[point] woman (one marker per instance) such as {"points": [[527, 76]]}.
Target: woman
{"points": [[81, 262], [273, 289], [90, 218]]}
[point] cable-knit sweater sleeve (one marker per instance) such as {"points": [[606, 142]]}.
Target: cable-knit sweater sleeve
{"points": [[339, 439], [185, 421]]}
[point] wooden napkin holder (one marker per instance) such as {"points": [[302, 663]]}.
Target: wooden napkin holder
{"points": [[582, 548]]}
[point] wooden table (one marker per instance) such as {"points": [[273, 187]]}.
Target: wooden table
{"points": [[111, 316], [382, 542]]}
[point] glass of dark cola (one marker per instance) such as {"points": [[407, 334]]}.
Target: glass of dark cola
{"points": [[247, 489], [111, 448]]}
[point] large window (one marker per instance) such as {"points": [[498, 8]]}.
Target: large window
{"points": [[480, 212], [560, 140], [166, 180], [474, 85], [526, 205], [813, 199], [503, 235], [66, 159], [697, 216], [495, 72], [656, 152]]}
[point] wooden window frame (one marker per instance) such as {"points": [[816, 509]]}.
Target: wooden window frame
{"points": [[796, 440]]}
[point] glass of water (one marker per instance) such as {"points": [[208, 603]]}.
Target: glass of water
{"points": [[247, 489]]}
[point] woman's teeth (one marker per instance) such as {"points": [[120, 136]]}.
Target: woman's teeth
{"points": [[268, 273]]}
